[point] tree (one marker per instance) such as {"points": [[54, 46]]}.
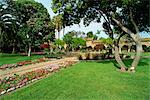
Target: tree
{"points": [[78, 43], [68, 39], [8, 24], [95, 37], [58, 22], [36, 23], [59, 43], [90, 34], [126, 16], [109, 43], [23, 23]]}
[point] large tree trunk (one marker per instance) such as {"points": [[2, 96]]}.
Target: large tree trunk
{"points": [[119, 60], [136, 39], [136, 60]]}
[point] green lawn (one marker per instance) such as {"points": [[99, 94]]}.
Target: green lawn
{"points": [[89, 81], [133, 53], [13, 58]]}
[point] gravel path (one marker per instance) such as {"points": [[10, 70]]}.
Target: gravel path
{"points": [[28, 68]]}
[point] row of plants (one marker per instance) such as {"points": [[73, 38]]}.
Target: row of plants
{"points": [[92, 56], [56, 55], [99, 56], [47, 57], [22, 63], [8, 84]]}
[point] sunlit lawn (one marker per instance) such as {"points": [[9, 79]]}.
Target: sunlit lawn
{"points": [[89, 81]]}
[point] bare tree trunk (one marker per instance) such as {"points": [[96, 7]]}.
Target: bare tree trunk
{"points": [[48, 46], [13, 49], [58, 34], [120, 49], [29, 51], [129, 48]]}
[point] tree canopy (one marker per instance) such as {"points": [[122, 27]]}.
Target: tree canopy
{"points": [[24, 23], [119, 17]]}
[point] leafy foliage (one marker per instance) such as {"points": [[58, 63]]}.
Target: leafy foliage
{"points": [[78, 42], [59, 43], [93, 10], [23, 23]]}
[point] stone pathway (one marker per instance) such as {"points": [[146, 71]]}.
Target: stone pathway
{"points": [[28, 68]]}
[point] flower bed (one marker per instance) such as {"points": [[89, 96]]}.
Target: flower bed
{"points": [[11, 83], [24, 63], [3, 67], [18, 64]]}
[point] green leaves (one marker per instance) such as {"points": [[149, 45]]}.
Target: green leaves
{"points": [[59, 42], [77, 42], [26, 17], [90, 34]]}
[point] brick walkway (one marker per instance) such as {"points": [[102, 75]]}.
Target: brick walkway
{"points": [[24, 69]]}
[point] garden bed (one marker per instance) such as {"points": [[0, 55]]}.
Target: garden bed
{"points": [[8, 84], [22, 63]]}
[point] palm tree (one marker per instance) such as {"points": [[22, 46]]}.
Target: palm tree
{"points": [[8, 22], [58, 22]]}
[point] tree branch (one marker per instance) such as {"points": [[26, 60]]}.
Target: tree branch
{"points": [[107, 21], [133, 22], [122, 34], [122, 27]]}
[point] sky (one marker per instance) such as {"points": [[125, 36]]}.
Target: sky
{"points": [[92, 27]]}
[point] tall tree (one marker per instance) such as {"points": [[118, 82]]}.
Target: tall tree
{"points": [[35, 22], [58, 22], [127, 16], [9, 23]]}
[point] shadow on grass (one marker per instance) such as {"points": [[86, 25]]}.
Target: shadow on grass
{"points": [[127, 62]]}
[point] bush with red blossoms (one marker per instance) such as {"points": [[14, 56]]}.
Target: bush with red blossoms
{"points": [[44, 46]]}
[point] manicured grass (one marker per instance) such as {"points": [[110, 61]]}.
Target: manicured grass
{"points": [[89, 81], [146, 54], [143, 54], [13, 58]]}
